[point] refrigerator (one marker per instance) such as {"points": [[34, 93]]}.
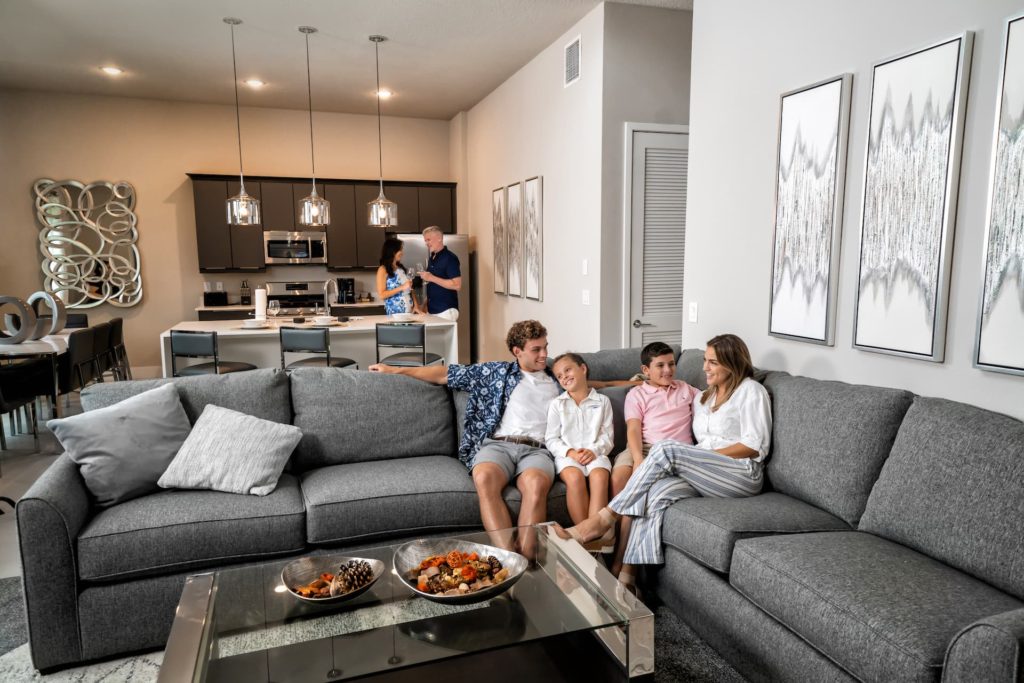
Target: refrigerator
{"points": [[414, 254]]}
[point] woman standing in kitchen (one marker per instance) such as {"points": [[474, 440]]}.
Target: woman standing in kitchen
{"points": [[394, 286]]}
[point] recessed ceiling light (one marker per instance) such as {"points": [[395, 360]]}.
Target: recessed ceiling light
{"points": [[111, 70], [384, 94], [255, 83]]}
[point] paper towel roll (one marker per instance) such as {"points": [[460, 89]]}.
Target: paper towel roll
{"points": [[261, 304]]}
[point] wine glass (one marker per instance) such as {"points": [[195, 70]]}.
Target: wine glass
{"points": [[273, 308]]}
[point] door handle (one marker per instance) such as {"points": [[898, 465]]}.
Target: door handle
{"points": [[637, 324]]}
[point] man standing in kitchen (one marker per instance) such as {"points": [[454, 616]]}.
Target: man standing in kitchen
{"points": [[506, 418], [443, 276]]}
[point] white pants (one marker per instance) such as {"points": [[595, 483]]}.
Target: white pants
{"points": [[451, 314]]}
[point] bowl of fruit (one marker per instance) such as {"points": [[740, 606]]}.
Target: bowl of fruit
{"points": [[454, 571]]}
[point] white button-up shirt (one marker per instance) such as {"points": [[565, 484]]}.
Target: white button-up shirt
{"points": [[527, 408], [587, 425], [745, 418]]}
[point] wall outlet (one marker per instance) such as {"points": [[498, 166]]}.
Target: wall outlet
{"points": [[584, 268], [586, 297], [693, 312]]}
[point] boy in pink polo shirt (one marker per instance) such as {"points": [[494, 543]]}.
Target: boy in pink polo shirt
{"points": [[660, 408]]}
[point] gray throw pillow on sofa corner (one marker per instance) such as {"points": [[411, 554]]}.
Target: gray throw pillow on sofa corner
{"points": [[122, 450], [232, 452]]}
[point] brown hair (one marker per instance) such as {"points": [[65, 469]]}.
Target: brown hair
{"points": [[734, 356], [575, 358], [522, 332]]}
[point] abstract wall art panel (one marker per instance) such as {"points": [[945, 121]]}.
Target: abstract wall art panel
{"points": [[1000, 337], [810, 177], [533, 246], [500, 241], [514, 230], [911, 174]]}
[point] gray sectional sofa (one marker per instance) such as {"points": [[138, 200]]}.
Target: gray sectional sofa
{"points": [[888, 545]]}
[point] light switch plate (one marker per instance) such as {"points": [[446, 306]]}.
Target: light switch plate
{"points": [[693, 311], [586, 297], [584, 267]]}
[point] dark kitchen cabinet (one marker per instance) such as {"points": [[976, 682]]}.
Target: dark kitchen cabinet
{"points": [[279, 208], [213, 238], [369, 240], [408, 200], [246, 240], [341, 233], [436, 208]]}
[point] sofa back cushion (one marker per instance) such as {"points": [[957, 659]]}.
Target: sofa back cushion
{"points": [[349, 416], [830, 439], [612, 364], [261, 393], [953, 488]]}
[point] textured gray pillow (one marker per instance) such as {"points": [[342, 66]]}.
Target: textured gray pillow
{"points": [[122, 450], [232, 452]]}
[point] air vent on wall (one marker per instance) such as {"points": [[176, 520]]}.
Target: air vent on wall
{"points": [[572, 62]]}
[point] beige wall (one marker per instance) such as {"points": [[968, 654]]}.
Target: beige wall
{"points": [[152, 144], [745, 53], [532, 125]]}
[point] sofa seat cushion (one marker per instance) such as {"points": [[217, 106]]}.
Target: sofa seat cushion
{"points": [[173, 531], [706, 529], [361, 500], [880, 610]]}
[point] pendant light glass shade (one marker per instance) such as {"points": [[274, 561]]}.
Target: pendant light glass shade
{"points": [[242, 208], [381, 212], [314, 210]]}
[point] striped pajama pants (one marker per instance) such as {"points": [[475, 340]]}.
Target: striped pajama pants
{"points": [[671, 472]]}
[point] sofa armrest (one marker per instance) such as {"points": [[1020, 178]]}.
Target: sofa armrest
{"points": [[50, 516], [990, 649]]}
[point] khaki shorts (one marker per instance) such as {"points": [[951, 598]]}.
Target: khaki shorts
{"points": [[625, 458]]}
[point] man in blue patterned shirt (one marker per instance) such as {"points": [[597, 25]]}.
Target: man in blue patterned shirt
{"points": [[506, 417]]}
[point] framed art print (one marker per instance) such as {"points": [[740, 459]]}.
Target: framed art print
{"points": [[500, 235], [809, 181], [533, 245], [514, 232], [999, 343], [911, 173]]}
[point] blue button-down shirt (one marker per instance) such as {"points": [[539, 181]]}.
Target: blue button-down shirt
{"points": [[489, 386], [445, 265]]}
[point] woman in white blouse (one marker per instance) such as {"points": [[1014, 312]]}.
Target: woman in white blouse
{"points": [[732, 423]]}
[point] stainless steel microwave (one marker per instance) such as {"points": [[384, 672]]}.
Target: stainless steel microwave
{"points": [[281, 246]]}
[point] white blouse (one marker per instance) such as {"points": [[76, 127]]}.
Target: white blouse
{"points": [[745, 418], [587, 425]]}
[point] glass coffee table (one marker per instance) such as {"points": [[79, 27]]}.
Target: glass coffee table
{"points": [[567, 615]]}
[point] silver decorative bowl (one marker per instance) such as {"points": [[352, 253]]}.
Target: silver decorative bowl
{"points": [[409, 556], [306, 569]]}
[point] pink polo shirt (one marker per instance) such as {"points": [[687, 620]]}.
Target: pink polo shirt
{"points": [[664, 413]]}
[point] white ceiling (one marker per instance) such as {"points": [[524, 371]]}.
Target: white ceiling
{"points": [[442, 56]]}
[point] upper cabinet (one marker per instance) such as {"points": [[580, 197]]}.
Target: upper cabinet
{"points": [[351, 242]]}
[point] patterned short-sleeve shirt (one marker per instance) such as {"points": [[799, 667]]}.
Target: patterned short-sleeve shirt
{"points": [[489, 386]]}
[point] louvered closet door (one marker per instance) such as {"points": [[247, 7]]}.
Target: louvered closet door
{"points": [[658, 230]]}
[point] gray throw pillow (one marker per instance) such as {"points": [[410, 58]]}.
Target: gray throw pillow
{"points": [[122, 450], [232, 452]]}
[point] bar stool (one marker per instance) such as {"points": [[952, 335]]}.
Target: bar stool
{"points": [[298, 340], [409, 336], [185, 344]]}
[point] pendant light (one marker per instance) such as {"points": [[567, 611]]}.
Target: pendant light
{"points": [[242, 209], [314, 210], [381, 212]]}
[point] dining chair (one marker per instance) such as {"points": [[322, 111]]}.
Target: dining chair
{"points": [[124, 368], [20, 384], [187, 344], [77, 321], [412, 337], [315, 340], [102, 359], [75, 369]]}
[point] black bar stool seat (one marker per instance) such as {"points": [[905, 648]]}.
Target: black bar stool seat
{"points": [[409, 336], [221, 367]]}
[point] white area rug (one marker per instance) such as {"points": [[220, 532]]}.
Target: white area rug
{"points": [[16, 666]]}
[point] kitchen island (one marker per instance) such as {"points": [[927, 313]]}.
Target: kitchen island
{"points": [[355, 339]]}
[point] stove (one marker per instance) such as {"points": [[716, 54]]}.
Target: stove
{"points": [[296, 298]]}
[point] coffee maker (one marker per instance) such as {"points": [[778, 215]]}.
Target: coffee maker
{"points": [[346, 290]]}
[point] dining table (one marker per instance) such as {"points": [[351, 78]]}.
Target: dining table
{"points": [[50, 347]]}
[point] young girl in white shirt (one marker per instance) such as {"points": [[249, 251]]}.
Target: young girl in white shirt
{"points": [[579, 435]]}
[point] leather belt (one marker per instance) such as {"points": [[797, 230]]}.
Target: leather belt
{"points": [[521, 440]]}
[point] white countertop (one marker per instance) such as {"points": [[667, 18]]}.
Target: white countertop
{"points": [[233, 328], [236, 307]]}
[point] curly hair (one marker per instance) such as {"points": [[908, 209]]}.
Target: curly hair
{"points": [[522, 332]]}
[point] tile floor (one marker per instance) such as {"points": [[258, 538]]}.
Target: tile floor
{"points": [[21, 464]]}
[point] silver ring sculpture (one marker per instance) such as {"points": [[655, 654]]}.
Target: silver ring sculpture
{"points": [[88, 237]]}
